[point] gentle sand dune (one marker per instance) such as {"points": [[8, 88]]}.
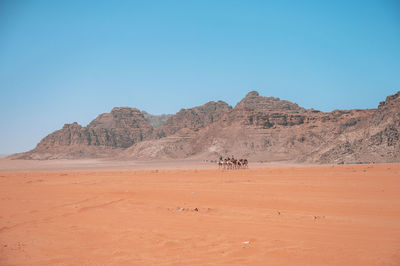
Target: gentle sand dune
{"points": [[322, 215]]}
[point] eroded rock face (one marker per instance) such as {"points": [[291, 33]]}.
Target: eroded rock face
{"points": [[253, 101], [258, 128], [388, 111], [120, 128], [266, 112], [268, 120], [377, 140], [70, 134], [193, 118]]}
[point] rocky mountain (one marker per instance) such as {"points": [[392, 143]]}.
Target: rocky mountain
{"points": [[377, 140], [117, 130], [258, 128], [270, 129], [156, 121], [193, 119]]}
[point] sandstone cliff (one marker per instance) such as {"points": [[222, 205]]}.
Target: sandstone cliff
{"points": [[270, 129], [119, 129], [193, 119], [259, 128], [378, 140]]}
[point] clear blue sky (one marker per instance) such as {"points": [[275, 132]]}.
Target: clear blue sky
{"points": [[66, 61]]}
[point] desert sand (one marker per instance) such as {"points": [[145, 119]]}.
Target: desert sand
{"points": [[166, 215]]}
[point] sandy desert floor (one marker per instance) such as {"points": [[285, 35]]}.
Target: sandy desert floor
{"points": [[319, 215]]}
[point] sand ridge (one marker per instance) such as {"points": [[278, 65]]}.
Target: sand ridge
{"points": [[321, 215]]}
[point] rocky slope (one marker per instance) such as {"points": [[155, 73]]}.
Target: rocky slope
{"points": [[269, 129], [193, 119], [378, 140], [259, 128], [109, 132]]}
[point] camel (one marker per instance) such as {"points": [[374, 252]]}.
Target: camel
{"points": [[244, 163], [232, 163], [229, 164]]}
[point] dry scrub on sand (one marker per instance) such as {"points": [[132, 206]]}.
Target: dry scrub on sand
{"points": [[324, 215]]}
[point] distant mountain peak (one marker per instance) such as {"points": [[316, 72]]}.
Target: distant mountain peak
{"points": [[254, 101], [252, 94]]}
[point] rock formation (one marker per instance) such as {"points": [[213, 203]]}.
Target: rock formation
{"points": [[259, 128], [156, 121], [377, 140], [119, 129], [193, 118]]}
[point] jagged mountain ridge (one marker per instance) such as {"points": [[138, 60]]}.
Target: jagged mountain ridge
{"points": [[260, 128], [156, 121]]}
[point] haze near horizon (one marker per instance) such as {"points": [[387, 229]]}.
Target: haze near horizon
{"points": [[66, 62]]}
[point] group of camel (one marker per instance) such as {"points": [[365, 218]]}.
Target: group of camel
{"points": [[232, 163]]}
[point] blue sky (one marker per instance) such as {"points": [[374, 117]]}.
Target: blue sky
{"points": [[66, 61]]}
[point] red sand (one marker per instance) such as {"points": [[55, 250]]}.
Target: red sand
{"points": [[321, 215]]}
